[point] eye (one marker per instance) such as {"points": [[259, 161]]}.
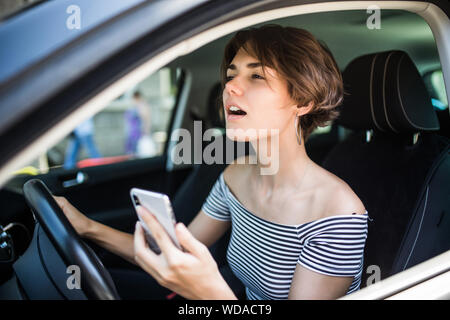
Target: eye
{"points": [[257, 76], [229, 78]]}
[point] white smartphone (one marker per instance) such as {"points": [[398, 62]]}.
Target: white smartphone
{"points": [[158, 204]]}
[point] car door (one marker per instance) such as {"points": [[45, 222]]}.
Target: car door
{"points": [[99, 187], [95, 59]]}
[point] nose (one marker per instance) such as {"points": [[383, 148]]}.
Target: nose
{"points": [[232, 87]]}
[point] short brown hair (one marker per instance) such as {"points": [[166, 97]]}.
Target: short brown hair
{"points": [[307, 65]]}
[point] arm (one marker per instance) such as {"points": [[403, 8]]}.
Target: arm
{"points": [[204, 228], [340, 248], [330, 260], [207, 230], [118, 242], [310, 285]]}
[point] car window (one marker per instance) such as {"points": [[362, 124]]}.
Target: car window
{"points": [[134, 125]]}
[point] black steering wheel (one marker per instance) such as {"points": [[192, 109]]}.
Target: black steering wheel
{"points": [[96, 281]]}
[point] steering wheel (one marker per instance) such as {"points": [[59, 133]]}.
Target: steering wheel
{"points": [[95, 278]]}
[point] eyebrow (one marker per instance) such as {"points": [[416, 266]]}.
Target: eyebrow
{"points": [[251, 65]]}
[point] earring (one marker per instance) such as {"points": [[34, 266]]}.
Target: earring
{"points": [[298, 130]]}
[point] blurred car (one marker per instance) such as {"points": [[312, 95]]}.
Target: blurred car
{"points": [[391, 142]]}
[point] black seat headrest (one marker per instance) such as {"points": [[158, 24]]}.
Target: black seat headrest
{"points": [[386, 93]]}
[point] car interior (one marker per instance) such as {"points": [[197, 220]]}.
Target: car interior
{"points": [[390, 144]]}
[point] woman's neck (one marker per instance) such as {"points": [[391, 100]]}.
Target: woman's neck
{"points": [[281, 161]]}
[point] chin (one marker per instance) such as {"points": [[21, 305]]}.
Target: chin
{"points": [[234, 136], [240, 134]]}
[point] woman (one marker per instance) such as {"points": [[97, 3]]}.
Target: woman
{"points": [[298, 233], [138, 123]]}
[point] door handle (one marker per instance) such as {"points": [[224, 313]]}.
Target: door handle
{"points": [[79, 179]]}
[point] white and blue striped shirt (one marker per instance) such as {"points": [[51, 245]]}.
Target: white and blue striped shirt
{"points": [[264, 254]]}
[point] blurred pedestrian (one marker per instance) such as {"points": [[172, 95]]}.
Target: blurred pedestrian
{"points": [[138, 123], [82, 136]]}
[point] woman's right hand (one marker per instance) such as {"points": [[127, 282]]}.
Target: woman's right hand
{"points": [[79, 221]]}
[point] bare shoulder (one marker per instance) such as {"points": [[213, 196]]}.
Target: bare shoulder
{"points": [[341, 199], [345, 201]]}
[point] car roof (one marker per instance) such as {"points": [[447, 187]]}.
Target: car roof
{"points": [[36, 32]]}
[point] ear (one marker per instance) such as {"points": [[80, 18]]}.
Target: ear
{"points": [[302, 110]]}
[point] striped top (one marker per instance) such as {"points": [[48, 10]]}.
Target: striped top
{"points": [[264, 254]]}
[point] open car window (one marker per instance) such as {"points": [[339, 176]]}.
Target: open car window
{"points": [[133, 126]]}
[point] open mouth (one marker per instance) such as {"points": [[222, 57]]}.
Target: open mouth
{"points": [[233, 110]]}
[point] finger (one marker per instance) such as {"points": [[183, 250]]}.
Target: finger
{"points": [[146, 258], [159, 234], [189, 242]]}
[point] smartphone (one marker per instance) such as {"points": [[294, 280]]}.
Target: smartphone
{"points": [[158, 204]]}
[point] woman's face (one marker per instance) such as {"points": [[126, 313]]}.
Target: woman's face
{"points": [[262, 96]]}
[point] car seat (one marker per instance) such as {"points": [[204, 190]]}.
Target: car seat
{"points": [[394, 161], [195, 189]]}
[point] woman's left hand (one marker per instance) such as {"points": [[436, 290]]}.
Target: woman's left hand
{"points": [[193, 273]]}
